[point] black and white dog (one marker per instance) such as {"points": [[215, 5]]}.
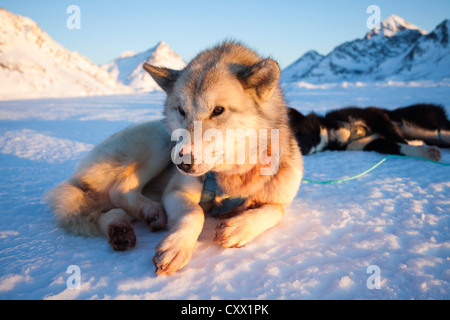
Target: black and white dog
{"points": [[375, 129]]}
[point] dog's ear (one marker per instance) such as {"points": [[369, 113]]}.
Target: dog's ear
{"points": [[164, 77], [295, 116], [261, 77]]}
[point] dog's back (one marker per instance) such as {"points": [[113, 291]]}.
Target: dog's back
{"points": [[426, 122], [381, 130], [427, 116]]}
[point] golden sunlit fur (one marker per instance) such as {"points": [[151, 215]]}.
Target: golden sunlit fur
{"points": [[131, 175]]}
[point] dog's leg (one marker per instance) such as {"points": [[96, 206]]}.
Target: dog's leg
{"points": [[390, 147], [139, 206], [360, 144], [115, 224], [437, 137], [444, 136], [187, 217], [241, 229], [127, 194], [431, 153]]}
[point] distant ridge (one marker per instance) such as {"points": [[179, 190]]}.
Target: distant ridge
{"points": [[398, 50]]}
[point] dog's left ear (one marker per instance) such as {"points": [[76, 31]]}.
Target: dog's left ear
{"points": [[262, 77], [164, 77]]}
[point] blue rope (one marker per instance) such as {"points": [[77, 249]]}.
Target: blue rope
{"points": [[372, 168]]}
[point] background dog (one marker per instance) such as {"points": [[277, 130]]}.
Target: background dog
{"points": [[131, 175], [374, 129]]}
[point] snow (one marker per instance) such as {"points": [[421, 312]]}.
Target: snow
{"points": [[32, 145], [396, 217]]}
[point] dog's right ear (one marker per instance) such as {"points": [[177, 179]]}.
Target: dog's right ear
{"points": [[164, 77], [294, 115], [261, 77]]}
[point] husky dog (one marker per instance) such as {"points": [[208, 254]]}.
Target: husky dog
{"points": [[140, 173], [374, 129]]}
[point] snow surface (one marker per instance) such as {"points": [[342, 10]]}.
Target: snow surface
{"points": [[396, 217]]}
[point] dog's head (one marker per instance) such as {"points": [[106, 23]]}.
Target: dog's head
{"points": [[224, 91], [307, 130]]}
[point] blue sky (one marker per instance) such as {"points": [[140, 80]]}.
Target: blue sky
{"points": [[283, 29]]}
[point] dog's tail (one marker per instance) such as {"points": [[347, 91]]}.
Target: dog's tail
{"points": [[74, 208]]}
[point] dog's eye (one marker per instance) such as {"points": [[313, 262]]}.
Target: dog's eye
{"points": [[218, 110], [181, 111]]}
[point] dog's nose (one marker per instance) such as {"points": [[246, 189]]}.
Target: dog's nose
{"points": [[186, 167], [186, 149]]}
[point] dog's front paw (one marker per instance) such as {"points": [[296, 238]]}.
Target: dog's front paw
{"points": [[233, 232], [172, 254], [121, 235], [154, 216]]}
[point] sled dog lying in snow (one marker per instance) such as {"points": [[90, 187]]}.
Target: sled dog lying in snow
{"points": [[140, 173], [374, 129]]}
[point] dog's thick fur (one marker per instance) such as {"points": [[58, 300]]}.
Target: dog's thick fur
{"points": [[131, 175], [374, 129]]}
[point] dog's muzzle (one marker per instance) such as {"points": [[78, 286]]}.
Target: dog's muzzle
{"points": [[186, 167]]}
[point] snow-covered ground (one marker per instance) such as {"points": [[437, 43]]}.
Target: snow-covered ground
{"points": [[396, 217]]}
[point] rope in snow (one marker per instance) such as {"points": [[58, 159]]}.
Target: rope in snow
{"points": [[372, 168]]}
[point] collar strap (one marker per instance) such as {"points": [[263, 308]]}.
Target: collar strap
{"points": [[211, 190]]}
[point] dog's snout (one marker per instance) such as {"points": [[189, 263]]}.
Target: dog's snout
{"points": [[186, 149], [186, 166]]}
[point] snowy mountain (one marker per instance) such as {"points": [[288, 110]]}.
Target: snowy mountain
{"points": [[391, 26], [128, 70], [302, 66], [398, 50], [33, 65], [429, 58]]}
